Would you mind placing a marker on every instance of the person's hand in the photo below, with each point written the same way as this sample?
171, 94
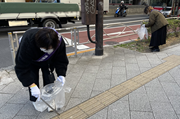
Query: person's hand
35, 91
61, 79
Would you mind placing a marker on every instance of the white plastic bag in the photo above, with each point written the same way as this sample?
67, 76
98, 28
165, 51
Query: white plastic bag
54, 91
142, 32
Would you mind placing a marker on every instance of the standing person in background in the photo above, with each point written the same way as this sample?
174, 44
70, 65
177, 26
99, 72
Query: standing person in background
40, 49
158, 25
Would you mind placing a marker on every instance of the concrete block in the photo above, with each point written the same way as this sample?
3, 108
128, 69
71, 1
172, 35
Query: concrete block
131, 60
119, 110
153, 83
132, 67
100, 115
4, 98
141, 115
165, 115
91, 69
88, 78
143, 64
117, 79
118, 63
25, 117
8, 111
104, 74
166, 77
96, 92
118, 70
28, 110
105, 66
139, 102
101, 84
143, 58
162, 107
171, 89
175, 103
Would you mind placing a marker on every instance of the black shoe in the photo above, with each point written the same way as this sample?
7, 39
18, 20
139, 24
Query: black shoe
155, 50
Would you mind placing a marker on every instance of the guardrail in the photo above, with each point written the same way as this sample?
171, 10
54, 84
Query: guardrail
14, 40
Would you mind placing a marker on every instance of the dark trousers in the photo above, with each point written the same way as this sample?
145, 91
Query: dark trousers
35, 74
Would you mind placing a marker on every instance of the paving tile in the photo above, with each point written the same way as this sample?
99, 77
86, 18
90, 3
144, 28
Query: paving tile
88, 78
140, 90
22, 96
132, 73
129, 55
141, 57
118, 57
165, 115
8, 111
104, 74
130, 60
100, 115
105, 66
119, 110
153, 83
82, 93
94, 62
139, 102
143, 69
2, 86
91, 69
175, 103
73, 102
166, 77
132, 67
118, 63
73, 60
162, 107
96, 92
117, 79
156, 94
107, 60
47, 115
175, 73
25, 117
141, 115
28, 110
4, 98
171, 88
144, 64
84, 86
118, 70
101, 84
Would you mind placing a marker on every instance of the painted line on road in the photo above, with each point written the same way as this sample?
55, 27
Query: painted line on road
79, 52
101, 101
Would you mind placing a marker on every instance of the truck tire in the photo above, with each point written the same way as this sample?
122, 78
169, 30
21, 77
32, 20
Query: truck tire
49, 23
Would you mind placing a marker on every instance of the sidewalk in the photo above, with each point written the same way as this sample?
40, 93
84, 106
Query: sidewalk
131, 85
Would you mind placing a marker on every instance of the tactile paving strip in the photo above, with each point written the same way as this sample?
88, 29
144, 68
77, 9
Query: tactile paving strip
97, 103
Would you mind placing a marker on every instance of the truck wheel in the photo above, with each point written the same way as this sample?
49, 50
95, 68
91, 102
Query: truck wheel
49, 23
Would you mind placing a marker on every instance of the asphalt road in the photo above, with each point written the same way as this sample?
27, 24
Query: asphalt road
5, 53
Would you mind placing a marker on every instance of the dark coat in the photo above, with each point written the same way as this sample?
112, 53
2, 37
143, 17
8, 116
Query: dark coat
156, 21
28, 53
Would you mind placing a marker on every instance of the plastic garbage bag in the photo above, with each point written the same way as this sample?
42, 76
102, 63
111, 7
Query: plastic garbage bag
54, 91
142, 32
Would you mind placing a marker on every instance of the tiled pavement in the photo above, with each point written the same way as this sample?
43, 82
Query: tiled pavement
89, 75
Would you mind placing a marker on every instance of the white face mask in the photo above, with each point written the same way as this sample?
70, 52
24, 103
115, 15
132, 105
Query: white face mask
49, 51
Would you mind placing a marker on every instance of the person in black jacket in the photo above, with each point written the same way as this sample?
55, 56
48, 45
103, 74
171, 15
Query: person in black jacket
40, 49
122, 7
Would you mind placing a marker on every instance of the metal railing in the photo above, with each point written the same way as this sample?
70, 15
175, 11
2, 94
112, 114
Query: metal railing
14, 40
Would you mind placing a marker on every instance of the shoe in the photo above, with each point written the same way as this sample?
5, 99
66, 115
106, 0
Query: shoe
53, 105
155, 50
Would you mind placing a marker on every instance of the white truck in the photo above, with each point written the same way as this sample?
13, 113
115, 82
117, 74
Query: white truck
43, 14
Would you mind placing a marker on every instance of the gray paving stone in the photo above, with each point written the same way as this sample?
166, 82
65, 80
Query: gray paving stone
8, 111
139, 102
140, 90
81, 93
96, 92
178, 116
2, 86
143, 69
119, 110
132, 67
171, 89
73, 60
132, 73
130, 60
94, 62
118, 63
47, 115
84, 86
28, 110
107, 60
155, 61
105, 66
175, 103
141, 115
117, 79
22, 96
162, 107
4, 98
156, 94
85, 59
151, 55
100, 115
13, 87
73, 102
166, 77
153, 83
91, 69
143, 63
165, 115
129, 55
175, 73
118, 70
118, 57
25, 117
139, 58
88, 78
101, 84
104, 74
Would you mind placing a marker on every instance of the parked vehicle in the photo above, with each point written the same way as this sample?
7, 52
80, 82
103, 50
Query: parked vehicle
118, 12
166, 11
43, 14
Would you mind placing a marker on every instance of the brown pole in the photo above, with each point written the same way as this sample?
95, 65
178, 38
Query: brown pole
99, 28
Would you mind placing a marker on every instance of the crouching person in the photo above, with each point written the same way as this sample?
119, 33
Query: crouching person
40, 49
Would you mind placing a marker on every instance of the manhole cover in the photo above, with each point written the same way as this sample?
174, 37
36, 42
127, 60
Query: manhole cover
110, 42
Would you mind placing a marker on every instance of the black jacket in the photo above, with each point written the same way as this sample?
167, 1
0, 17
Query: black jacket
28, 53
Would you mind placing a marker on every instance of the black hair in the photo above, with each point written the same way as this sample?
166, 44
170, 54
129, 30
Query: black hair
146, 9
46, 38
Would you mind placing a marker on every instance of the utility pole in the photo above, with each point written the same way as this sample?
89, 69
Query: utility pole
99, 28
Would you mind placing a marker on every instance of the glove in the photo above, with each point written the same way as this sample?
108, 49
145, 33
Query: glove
61, 79
143, 25
35, 91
